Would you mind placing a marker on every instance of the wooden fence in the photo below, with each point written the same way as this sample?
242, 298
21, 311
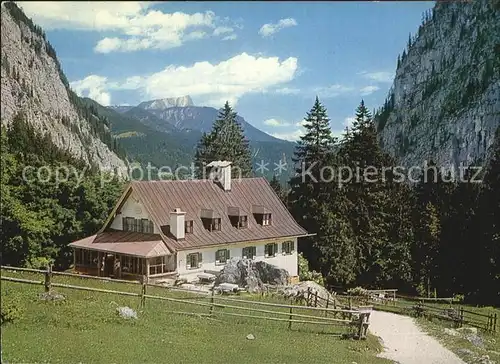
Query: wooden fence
295, 314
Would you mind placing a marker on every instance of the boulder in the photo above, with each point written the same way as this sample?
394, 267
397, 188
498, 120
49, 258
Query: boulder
51, 296
299, 292
251, 274
127, 312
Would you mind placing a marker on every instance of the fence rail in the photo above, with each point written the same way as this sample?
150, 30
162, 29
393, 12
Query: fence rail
422, 306
357, 319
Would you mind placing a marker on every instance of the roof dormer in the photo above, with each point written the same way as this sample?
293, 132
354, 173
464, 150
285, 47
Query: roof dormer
262, 215
238, 217
211, 220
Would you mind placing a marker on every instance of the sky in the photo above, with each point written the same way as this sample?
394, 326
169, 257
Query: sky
268, 59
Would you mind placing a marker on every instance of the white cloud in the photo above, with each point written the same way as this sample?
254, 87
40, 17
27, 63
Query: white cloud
276, 123
211, 84
230, 37
288, 91
269, 29
94, 87
368, 90
137, 27
222, 30
290, 136
381, 76
333, 91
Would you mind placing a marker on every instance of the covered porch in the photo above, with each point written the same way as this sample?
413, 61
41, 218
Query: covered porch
123, 255
121, 266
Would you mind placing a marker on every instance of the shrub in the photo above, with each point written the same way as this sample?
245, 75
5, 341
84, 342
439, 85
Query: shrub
10, 312
358, 291
306, 275
39, 263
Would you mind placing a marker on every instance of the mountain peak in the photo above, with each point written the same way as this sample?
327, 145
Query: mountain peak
162, 104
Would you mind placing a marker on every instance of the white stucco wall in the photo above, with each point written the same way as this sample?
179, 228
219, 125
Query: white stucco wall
288, 262
131, 208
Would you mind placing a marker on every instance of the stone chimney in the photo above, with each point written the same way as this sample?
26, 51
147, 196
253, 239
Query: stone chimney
177, 224
221, 172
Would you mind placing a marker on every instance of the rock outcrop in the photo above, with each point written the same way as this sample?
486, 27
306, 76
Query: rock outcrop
162, 104
34, 86
251, 274
444, 104
307, 290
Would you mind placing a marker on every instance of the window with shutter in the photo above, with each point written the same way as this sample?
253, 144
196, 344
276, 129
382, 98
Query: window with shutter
287, 247
193, 261
249, 252
271, 250
221, 256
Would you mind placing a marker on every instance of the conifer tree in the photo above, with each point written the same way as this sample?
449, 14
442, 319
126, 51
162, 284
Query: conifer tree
427, 248
277, 187
377, 207
226, 141
487, 272
313, 152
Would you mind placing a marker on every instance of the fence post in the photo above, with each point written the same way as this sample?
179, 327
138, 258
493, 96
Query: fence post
360, 327
212, 301
495, 323
309, 296
143, 291
291, 316
316, 299
48, 278
461, 316
350, 302
327, 303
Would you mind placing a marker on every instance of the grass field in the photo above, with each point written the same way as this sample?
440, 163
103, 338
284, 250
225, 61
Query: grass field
85, 328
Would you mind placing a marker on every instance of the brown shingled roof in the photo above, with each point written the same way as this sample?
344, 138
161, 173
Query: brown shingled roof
162, 197
124, 242
192, 196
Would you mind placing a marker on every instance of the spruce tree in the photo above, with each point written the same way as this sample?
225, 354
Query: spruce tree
427, 248
278, 188
379, 212
307, 190
226, 141
487, 272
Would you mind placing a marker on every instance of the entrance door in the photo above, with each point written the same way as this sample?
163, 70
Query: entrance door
109, 264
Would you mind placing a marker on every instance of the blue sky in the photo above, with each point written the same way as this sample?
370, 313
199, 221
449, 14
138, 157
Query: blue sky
269, 59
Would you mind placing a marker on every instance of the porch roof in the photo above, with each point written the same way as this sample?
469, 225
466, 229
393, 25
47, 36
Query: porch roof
124, 242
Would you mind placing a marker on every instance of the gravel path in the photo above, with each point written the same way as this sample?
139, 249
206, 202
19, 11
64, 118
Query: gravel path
405, 343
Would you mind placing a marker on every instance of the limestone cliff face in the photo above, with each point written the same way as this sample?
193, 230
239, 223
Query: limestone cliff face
162, 104
444, 104
33, 85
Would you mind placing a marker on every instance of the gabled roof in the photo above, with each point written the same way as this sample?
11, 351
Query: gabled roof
192, 196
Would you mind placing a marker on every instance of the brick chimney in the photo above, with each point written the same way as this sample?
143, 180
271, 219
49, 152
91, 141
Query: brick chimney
221, 172
177, 224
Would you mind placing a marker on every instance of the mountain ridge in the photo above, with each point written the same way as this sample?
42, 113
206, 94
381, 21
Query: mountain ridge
34, 85
444, 103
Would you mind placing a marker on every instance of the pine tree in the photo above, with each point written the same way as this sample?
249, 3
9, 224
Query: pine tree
226, 141
313, 152
278, 188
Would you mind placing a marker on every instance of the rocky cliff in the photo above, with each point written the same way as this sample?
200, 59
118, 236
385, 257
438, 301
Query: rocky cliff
162, 104
444, 104
34, 86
